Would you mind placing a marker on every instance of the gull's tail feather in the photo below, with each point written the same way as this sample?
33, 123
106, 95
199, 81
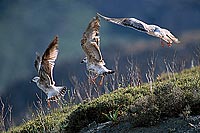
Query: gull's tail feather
169, 37
109, 72
57, 93
173, 38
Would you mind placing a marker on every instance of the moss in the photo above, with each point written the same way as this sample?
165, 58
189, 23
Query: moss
48, 123
170, 95
144, 111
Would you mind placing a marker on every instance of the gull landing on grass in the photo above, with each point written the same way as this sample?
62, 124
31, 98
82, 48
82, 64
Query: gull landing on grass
44, 66
153, 30
90, 43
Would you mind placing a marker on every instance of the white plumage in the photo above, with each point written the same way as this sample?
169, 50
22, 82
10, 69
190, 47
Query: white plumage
153, 30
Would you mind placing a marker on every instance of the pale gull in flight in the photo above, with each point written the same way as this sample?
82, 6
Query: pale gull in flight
153, 30
44, 66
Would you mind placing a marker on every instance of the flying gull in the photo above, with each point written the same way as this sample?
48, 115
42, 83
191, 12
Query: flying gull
153, 30
90, 43
44, 66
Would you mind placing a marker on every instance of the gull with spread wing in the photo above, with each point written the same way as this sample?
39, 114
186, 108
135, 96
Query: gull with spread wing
90, 43
44, 66
153, 30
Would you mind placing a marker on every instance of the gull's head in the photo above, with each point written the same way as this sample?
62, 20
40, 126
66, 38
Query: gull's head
84, 60
35, 79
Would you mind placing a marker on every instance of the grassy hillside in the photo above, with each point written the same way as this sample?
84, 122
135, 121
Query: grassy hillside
171, 95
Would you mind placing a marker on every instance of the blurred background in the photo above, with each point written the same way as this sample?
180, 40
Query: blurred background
27, 27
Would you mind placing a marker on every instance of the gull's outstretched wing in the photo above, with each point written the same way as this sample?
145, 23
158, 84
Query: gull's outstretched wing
48, 61
153, 30
90, 41
127, 22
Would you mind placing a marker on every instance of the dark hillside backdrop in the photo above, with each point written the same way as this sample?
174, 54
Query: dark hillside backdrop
27, 27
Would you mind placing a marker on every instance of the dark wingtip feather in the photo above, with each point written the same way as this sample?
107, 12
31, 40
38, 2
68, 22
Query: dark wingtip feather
104, 17
56, 40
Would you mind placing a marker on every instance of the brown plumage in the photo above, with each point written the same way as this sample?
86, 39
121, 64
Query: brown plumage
48, 60
90, 41
44, 66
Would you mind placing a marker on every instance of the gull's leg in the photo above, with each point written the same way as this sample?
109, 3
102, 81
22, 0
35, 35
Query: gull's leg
90, 77
94, 78
49, 104
162, 43
101, 81
169, 44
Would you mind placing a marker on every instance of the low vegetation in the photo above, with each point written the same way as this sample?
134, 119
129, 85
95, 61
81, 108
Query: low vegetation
170, 95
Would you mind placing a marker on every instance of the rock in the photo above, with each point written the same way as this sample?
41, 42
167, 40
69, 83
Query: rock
176, 125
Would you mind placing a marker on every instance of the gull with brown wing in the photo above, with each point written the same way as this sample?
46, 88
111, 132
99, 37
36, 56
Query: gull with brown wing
153, 30
90, 43
44, 66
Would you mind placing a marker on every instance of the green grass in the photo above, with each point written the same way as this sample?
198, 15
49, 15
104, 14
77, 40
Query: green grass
137, 105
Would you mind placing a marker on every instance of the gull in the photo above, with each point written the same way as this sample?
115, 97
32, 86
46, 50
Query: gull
90, 43
153, 30
44, 66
